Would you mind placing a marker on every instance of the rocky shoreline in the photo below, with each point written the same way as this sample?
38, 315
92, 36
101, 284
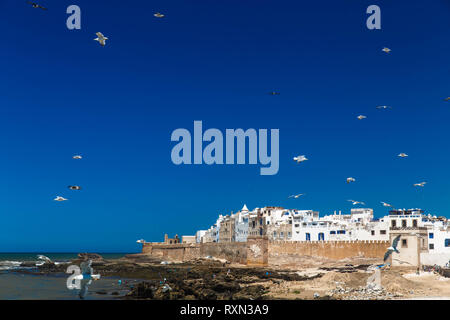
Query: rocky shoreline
142, 276
200, 279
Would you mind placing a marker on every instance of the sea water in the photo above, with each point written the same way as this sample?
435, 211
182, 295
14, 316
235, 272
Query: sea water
17, 285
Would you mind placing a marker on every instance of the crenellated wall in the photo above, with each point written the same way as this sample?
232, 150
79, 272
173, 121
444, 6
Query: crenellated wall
259, 251
234, 252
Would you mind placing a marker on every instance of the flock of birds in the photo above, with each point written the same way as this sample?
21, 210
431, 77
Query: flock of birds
100, 37
302, 158
59, 198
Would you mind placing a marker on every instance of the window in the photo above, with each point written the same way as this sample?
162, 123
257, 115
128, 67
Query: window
403, 223
382, 231
289, 234
404, 243
332, 232
296, 225
372, 232
281, 234
393, 223
415, 223
260, 221
431, 246
308, 237
274, 234
447, 242
341, 232
431, 235
321, 236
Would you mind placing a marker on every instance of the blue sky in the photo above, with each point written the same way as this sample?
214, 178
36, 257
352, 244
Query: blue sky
61, 94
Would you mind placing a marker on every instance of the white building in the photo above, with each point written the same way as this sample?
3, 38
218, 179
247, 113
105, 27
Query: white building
432, 233
200, 236
241, 224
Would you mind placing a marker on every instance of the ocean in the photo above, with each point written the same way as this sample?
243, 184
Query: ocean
15, 285
11, 260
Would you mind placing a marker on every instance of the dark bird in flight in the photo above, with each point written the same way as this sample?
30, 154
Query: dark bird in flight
36, 5
74, 187
392, 248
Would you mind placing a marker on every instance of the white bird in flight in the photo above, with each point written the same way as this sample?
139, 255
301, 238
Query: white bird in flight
360, 117
159, 15
140, 241
387, 50
300, 159
421, 184
354, 202
44, 258
383, 107
101, 38
350, 179
58, 198
392, 248
77, 157
385, 204
402, 155
296, 195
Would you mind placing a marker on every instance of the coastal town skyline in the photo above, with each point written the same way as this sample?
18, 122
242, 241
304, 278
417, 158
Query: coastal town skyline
309, 70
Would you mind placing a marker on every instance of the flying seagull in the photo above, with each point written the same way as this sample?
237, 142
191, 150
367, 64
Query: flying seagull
386, 204
383, 107
77, 157
354, 202
58, 198
360, 117
300, 159
44, 258
402, 155
74, 187
86, 277
36, 5
296, 195
392, 248
140, 241
350, 179
387, 50
158, 15
421, 184
274, 93
101, 38
166, 288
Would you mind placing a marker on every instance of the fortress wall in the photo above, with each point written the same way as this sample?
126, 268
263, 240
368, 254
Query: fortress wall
334, 250
259, 251
172, 252
232, 251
